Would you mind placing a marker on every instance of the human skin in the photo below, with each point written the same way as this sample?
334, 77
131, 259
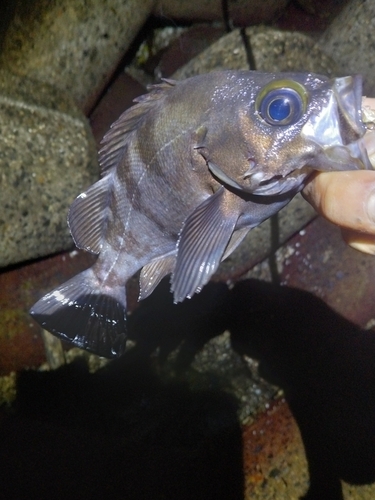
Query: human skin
348, 199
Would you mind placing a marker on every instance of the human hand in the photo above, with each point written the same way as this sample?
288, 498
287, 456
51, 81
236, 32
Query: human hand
348, 199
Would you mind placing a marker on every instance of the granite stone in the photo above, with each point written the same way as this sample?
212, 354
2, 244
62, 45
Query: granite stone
73, 45
350, 39
239, 12
47, 157
272, 50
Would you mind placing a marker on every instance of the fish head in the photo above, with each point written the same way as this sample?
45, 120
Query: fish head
282, 127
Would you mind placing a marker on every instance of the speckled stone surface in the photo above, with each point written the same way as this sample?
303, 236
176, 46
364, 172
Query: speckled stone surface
258, 243
351, 41
47, 157
273, 50
74, 45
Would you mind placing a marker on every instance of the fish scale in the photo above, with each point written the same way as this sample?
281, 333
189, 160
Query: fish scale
186, 173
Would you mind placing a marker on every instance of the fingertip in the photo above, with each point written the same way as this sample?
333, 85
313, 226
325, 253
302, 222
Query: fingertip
345, 198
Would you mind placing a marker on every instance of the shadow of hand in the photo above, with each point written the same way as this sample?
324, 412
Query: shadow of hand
326, 366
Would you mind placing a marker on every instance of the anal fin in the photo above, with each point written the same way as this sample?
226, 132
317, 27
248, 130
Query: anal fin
153, 273
236, 239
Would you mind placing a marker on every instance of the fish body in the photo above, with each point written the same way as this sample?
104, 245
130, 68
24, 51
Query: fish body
186, 173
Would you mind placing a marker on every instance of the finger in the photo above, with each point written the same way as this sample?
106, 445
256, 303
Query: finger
345, 198
360, 241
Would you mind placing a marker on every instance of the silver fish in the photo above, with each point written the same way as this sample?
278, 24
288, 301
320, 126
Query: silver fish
186, 173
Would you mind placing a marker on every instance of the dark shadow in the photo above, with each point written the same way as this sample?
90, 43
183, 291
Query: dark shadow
158, 323
118, 434
124, 433
326, 366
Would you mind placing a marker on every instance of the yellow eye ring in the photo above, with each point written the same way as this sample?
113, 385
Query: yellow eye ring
282, 102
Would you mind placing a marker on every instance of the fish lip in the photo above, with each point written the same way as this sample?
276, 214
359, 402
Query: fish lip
337, 130
348, 93
353, 156
259, 184
266, 187
277, 185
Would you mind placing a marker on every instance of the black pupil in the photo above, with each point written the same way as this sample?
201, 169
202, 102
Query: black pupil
279, 109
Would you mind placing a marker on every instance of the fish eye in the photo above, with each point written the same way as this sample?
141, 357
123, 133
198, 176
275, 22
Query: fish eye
282, 102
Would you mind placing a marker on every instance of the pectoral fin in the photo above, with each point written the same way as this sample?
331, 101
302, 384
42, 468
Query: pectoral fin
202, 242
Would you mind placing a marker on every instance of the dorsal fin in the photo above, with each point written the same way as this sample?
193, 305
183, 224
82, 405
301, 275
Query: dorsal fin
116, 139
88, 216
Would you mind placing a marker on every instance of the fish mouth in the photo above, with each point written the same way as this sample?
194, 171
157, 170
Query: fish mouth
348, 93
259, 183
353, 156
336, 131
279, 184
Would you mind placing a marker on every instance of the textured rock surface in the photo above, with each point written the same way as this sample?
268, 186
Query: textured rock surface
351, 41
240, 12
72, 44
47, 157
272, 50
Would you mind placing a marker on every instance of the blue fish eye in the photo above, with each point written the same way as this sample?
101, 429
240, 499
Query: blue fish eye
279, 109
281, 106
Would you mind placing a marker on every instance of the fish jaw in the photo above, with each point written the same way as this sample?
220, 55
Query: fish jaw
338, 130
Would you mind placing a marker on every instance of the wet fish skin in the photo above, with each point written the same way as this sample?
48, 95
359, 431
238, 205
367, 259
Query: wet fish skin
186, 173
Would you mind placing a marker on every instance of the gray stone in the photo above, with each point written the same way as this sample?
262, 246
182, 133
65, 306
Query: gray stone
73, 45
351, 41
258, 243
273, 50
240, 12
47, 157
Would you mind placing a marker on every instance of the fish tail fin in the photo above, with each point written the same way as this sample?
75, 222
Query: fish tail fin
82, 313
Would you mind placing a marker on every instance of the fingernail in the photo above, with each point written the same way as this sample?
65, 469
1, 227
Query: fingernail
369, 143
359, 241
371, 207
368, 248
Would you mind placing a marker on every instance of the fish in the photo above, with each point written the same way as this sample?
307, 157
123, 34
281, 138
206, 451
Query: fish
186, 173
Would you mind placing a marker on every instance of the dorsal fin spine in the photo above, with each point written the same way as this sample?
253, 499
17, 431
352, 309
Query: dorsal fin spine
118, 137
